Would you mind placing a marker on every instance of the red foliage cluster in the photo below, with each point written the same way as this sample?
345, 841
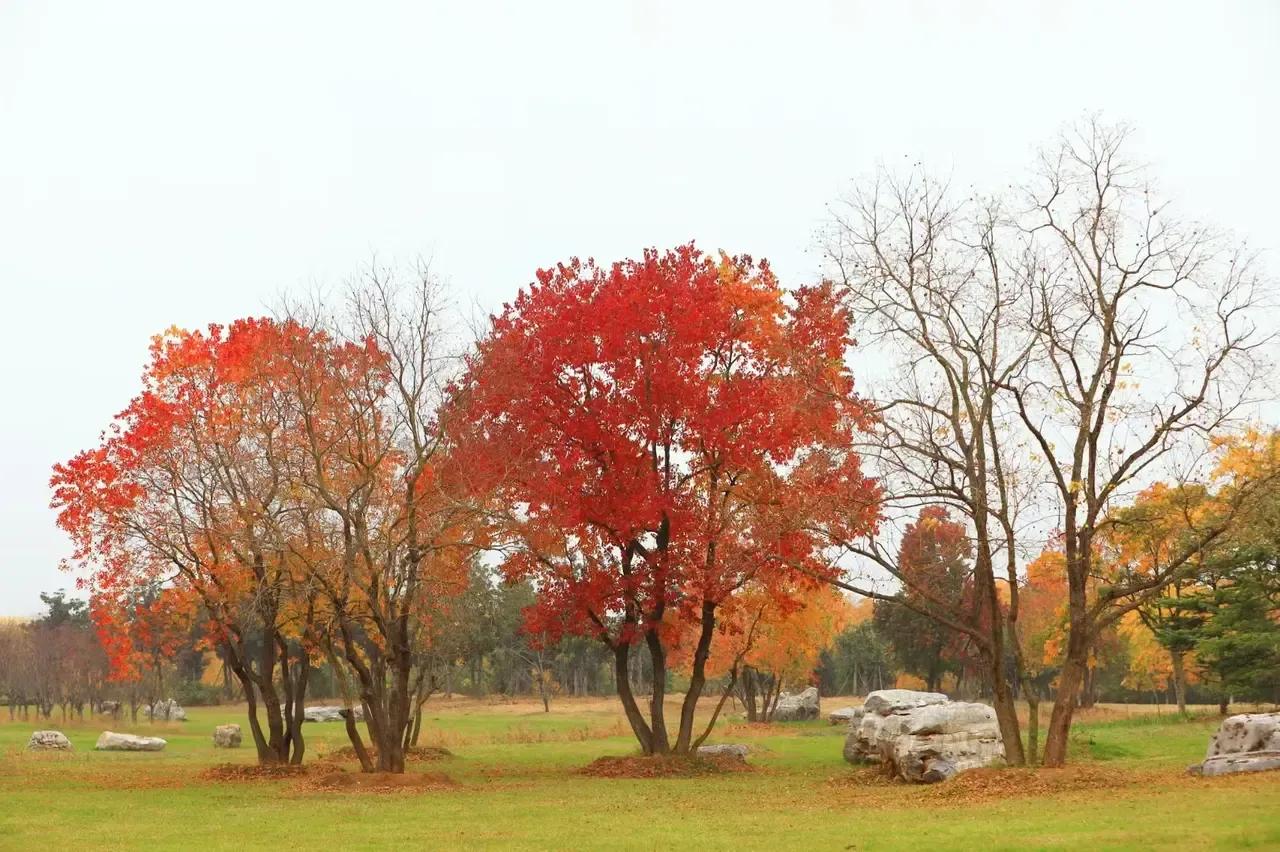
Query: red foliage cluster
659, 435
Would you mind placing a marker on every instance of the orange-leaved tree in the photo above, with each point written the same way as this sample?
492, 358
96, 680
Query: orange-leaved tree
188, 488
766, 641
294, 482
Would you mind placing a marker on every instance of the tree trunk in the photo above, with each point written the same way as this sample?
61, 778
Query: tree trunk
749, 694
1033, 727
1059, 732
353, 734
1179, 681
417, 726
658, 695
1088, 693
265, 754
697, 680
622, 670
1006, 710
1076, 663
715, 714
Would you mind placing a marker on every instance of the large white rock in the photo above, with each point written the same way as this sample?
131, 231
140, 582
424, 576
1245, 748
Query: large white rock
921, 739
1249, 742
167, 710
937, 757
954, 717
48, 741
226, 736
111, 741
797, 707
862, 745
1246, 732
1249, 761
886, 701
845, 715
724, 749
329, 713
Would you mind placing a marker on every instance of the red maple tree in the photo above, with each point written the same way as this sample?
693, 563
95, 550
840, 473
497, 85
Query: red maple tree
655, 436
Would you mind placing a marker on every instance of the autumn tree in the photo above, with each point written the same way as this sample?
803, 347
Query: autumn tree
1223, 588
769, 642
53, 660
934, 554
660, 433
859, 660
142, 630
387, 531
189, 489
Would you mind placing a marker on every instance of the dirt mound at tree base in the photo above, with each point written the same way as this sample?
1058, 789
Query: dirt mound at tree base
252, 772
413, 753
374, 782
664, 766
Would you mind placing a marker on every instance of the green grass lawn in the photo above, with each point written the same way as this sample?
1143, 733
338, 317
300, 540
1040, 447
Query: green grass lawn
518, 786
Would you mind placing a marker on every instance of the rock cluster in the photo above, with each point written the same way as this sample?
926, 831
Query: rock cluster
1249, 742
111, 741
798, 707
226, 736
48, 741
724, 749
167, 710
924, 737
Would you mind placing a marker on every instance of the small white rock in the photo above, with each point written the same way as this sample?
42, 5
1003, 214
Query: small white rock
48, 741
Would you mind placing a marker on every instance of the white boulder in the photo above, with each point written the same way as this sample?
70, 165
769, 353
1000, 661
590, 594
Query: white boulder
886, 701
845, 715
329, 713
1228, 764
937, 757
167, 710
922, 739
112, 741
226, 736
1246, 732
736, 750
797, 707
48, 741
1249, 742
954, 717
862, 745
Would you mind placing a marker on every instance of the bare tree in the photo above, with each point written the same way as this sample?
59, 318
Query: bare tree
1052, 352
929, 284
1145, 341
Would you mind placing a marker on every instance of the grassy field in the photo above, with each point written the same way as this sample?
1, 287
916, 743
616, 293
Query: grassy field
515, 782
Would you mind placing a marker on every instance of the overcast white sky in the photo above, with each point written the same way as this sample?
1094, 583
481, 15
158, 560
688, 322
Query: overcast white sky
179, 163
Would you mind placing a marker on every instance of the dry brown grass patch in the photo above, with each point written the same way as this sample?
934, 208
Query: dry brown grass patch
664, 766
